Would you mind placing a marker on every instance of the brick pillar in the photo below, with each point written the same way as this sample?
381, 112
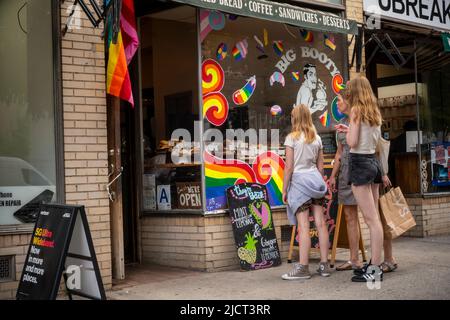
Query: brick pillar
85, 143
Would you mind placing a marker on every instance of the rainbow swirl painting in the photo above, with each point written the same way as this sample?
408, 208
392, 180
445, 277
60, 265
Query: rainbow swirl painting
337, 115
269, 169
329, 42
221, 174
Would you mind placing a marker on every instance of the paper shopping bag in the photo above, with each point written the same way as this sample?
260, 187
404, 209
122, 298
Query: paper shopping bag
395, 214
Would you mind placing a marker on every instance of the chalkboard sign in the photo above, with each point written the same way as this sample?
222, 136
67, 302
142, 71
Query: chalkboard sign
60, 244
329, 142
253, 228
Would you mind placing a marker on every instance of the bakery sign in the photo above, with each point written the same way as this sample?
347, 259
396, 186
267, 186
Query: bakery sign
430, 13
189, 195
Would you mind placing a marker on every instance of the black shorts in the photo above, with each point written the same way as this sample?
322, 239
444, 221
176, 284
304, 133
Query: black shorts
364, 169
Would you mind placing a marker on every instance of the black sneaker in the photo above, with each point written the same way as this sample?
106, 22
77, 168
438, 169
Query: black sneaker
362, 270
371, 276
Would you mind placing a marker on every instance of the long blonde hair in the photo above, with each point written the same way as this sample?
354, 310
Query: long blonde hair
361, 98
302, 124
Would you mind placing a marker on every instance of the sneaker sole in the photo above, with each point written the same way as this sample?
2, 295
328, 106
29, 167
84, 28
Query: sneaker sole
295, 278
325, 274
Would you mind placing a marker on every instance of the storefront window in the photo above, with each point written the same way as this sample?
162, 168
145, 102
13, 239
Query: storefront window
435, 130
170, 102
254, 72
27, 121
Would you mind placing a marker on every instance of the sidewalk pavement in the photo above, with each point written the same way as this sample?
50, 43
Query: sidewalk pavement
423, 273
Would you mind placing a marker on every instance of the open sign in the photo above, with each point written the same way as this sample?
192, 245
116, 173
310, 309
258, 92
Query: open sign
189, 195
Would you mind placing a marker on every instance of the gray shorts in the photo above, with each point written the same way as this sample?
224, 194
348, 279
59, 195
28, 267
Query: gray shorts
364, 169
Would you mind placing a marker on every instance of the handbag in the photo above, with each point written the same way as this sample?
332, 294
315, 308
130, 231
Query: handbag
395, 214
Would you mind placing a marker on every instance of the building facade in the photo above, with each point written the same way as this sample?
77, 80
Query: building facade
63, 134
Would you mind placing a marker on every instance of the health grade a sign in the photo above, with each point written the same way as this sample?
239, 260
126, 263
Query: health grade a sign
431, 13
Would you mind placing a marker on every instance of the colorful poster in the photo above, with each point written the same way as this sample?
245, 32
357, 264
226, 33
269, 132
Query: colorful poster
253, 229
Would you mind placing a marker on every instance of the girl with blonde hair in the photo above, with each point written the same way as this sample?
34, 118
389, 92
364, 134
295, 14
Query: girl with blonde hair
303, 188
365, 173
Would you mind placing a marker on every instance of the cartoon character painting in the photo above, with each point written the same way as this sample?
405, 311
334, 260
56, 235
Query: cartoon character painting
305, 94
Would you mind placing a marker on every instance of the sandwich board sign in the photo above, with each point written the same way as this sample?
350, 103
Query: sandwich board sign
61, 245
253, 229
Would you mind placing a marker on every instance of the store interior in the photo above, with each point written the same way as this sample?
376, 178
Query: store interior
394, 81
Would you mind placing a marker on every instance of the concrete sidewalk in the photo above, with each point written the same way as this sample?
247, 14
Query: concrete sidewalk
423, 273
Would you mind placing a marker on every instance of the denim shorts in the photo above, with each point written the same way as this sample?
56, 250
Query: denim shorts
364, 169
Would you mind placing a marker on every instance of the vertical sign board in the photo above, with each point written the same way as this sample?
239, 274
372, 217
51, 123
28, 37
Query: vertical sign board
254, 232
60, 243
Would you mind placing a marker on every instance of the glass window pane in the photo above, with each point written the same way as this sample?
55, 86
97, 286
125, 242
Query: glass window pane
27, 144
268, 68
435, 129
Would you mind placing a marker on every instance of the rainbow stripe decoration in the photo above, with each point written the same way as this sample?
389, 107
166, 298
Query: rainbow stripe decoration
335, 113
239, 51
222, 51
329, 41
325, 119
337, 83
220, 174
277, 77
242, 95
215, 105
295, 76
307, 35
278, 48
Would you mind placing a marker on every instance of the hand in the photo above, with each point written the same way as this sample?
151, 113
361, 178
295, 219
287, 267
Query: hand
332, 182
341, 128
386, 181
284, 197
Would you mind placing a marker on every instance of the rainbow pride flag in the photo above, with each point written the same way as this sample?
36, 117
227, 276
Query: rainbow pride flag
120, 54
307, 35
325, 119
329, 42
278, 48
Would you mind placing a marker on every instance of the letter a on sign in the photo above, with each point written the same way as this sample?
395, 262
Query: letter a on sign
163, 196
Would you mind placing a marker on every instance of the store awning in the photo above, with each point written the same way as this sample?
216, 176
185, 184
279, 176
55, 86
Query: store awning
280, 12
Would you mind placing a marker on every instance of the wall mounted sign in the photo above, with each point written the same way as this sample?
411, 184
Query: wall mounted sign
430, 13
280, 12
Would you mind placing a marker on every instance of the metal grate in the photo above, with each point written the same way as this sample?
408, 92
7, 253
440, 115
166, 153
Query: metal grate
6, 268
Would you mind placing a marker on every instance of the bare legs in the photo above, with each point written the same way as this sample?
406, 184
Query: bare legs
351, 217
305, 239
365, 196
324, 240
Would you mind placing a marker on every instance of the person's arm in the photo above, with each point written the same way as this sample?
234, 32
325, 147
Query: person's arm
353, 130
336, 166
288, 169
320, 162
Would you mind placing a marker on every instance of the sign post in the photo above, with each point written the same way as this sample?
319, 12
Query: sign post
60, 244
